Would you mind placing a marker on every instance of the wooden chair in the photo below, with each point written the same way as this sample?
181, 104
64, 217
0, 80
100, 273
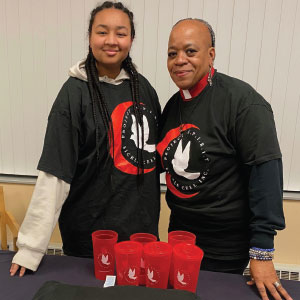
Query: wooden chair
6, 218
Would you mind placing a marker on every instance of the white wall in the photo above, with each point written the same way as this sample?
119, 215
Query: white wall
256, 40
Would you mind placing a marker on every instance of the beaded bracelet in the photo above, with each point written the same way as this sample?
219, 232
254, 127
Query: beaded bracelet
261, 254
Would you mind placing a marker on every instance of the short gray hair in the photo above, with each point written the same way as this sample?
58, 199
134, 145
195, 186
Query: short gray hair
208, 26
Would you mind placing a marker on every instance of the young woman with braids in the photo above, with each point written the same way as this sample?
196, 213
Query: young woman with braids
98, 166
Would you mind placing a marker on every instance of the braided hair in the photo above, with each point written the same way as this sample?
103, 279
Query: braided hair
98, 100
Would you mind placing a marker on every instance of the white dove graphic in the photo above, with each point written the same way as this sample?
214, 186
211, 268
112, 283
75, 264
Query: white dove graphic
181, 161
150, 275
180, 278
104, 260
131, 274
147, 147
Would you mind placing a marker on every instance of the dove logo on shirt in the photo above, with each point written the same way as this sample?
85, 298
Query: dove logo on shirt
128, 140
184, 158
181, 161
137, 135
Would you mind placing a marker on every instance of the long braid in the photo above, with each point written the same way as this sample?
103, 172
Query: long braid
134, 84
98, 103
94, 105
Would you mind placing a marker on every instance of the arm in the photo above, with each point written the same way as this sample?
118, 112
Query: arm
59, 158
41, 217
265, 202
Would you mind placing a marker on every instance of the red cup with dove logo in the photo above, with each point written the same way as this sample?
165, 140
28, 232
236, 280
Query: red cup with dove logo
103, 250
186, 262
176, 237
143, 238
157, 264
128, 260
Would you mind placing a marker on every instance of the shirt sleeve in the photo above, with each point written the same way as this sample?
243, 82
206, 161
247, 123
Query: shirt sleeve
41, 217
61, 144
266, 203
255, 132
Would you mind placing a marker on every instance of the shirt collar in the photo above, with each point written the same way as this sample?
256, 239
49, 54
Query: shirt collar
197, 89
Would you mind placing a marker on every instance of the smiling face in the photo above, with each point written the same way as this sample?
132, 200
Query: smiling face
110, 40
189, 53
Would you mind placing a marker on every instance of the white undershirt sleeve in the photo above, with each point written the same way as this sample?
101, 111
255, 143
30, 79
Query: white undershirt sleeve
41, 217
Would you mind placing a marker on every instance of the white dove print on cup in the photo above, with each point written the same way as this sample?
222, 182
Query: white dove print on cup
157, 264
135, 135
105, 259
128, 259
103, 249
131, 274
180, 278
150, 276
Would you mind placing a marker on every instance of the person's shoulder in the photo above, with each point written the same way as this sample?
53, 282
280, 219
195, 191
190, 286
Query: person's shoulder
70, 95
144, 82
240, 91
174, 97
147, 87
143, 79
233, 84
171, 102
73, 84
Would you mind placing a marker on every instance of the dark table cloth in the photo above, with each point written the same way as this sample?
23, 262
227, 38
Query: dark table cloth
79, 271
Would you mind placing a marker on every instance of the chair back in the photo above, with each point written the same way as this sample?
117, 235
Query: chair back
6, 218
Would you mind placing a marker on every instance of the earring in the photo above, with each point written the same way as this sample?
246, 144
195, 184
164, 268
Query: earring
209, 79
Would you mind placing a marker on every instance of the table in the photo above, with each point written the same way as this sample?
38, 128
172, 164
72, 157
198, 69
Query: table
79, 271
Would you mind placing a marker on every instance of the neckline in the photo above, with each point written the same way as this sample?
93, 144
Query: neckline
188, 95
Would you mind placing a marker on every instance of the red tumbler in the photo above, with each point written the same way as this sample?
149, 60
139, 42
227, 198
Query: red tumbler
143, 238
176, 237
186, 261
103, 249
157, 264
128, 259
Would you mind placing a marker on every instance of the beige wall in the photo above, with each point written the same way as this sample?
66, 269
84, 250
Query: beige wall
287, 242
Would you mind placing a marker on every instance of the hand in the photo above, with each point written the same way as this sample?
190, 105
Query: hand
263, 274
14, 268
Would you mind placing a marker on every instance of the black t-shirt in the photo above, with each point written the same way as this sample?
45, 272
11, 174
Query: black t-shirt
103, 195
205, 144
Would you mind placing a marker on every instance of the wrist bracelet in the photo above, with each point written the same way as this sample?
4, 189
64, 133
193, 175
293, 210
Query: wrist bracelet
261, 254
